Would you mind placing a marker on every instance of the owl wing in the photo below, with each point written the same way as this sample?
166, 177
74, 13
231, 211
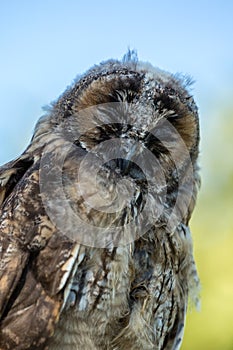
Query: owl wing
35, 260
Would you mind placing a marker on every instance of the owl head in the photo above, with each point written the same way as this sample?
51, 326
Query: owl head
119, 153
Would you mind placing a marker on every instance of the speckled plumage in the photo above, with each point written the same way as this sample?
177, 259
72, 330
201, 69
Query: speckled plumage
58, 292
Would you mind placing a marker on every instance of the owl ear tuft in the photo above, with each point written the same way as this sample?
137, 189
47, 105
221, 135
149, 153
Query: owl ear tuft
130, 56
11, 173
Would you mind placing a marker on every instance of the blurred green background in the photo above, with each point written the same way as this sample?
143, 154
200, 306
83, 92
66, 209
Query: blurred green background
212, 227
45, 44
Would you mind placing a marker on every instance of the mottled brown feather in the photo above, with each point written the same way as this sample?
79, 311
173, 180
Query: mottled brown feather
56, 292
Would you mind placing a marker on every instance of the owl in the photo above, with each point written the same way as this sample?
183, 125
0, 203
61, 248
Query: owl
96, 251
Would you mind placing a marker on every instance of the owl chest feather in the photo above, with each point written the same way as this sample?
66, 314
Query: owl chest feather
130, 295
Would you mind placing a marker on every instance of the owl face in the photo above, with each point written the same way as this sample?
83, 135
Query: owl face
136, 132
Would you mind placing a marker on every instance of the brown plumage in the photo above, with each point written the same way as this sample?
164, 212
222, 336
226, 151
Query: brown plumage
96, 251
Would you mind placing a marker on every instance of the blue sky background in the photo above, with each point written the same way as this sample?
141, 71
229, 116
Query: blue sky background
45, 44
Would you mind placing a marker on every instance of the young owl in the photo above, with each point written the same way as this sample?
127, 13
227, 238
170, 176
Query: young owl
96, 251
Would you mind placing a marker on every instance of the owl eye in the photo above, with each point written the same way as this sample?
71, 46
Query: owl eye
155, 145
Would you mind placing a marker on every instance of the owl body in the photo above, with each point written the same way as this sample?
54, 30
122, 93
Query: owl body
146, 316
96, 251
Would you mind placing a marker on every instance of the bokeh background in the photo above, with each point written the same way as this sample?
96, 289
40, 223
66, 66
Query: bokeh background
45, 44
